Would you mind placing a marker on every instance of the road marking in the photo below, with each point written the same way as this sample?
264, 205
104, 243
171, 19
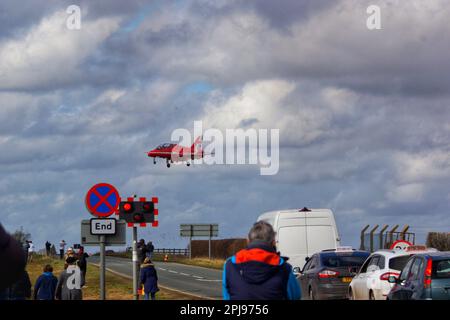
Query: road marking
161, 286
162, 269
184, 274
198, 277
171, 271
208, 280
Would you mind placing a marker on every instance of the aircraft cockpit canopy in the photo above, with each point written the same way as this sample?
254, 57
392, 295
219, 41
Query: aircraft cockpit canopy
164, 146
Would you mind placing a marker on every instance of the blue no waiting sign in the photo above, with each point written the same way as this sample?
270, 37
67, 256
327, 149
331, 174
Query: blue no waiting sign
102, 200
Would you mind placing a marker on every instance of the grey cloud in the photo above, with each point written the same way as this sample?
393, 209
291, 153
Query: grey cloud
361, 104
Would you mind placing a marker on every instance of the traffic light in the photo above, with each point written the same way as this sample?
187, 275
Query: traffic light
141, 211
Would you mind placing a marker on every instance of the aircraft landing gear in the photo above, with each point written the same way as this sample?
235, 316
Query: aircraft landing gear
188, 164
154, 160
168, 164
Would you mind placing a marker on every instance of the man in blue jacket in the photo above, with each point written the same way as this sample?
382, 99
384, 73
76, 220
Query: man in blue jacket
45, 286
258, 272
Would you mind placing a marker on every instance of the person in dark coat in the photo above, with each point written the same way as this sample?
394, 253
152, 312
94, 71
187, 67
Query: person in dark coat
141, 251
68, 288
4, 294
149, 279
21, 289
150, 249
48, 245
12, 260
26, 249
82, 262
45, 286
258, 272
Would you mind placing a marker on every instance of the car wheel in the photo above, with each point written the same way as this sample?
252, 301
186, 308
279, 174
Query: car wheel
312, 296
371, 295
350, 295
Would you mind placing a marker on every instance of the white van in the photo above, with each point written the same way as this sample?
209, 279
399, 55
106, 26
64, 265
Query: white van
302, 232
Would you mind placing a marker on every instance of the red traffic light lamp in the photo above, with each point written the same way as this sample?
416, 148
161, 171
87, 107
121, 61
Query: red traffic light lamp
139, 212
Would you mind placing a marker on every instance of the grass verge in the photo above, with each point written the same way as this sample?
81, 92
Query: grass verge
117, 287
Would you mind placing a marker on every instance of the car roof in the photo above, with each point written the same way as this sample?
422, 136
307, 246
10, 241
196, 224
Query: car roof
438, 254
388, 252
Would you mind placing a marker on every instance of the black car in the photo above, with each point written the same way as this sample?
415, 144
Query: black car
327, 274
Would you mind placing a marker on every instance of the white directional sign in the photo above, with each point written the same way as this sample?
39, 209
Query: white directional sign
103, 226
199, 230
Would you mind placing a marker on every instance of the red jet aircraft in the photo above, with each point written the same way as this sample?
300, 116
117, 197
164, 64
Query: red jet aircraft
175, 153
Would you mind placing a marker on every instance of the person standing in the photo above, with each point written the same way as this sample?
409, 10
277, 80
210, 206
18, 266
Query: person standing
150, 249
12, 260
62, 248
149, 279
26, 249
66, 290
21, 289
141, 251
70, 253
258, 272
4, 294
45, 286
82, 262
30, 251
48, 246
53, 251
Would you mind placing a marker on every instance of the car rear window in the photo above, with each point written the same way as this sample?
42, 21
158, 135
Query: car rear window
336, 261
398, 263
441, 269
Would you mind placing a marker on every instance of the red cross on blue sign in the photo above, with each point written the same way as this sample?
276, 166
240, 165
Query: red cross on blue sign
102, 200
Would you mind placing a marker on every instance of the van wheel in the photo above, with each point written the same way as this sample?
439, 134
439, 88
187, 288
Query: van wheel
371, 295
312, 296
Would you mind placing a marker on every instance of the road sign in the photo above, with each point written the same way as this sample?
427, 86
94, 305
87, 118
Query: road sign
400, 245
103, 226
102, 200
199, 230
118, 239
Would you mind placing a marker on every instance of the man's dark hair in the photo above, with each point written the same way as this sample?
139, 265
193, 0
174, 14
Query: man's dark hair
261, 231
48, 268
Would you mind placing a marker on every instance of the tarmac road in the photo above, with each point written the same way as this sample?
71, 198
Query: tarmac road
197, 281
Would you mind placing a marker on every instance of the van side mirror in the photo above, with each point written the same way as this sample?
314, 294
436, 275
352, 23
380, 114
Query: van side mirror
392, 279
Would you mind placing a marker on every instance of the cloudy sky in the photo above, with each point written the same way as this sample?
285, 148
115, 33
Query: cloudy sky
364, 115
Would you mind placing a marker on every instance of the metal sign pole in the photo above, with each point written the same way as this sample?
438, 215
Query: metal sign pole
209, 244
135, 265
102, 268
190, 247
